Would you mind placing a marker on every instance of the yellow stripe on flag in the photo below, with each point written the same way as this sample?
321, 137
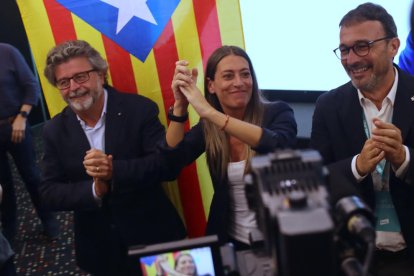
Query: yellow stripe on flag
39, 33
230, 21
186, 36
148, 83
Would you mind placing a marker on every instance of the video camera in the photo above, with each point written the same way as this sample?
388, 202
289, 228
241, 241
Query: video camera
287, 191
312, 222
300, 233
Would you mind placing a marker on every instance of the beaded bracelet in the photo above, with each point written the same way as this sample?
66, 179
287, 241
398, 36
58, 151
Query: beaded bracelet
225, 122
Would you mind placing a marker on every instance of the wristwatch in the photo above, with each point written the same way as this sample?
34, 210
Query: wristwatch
178, 119
23, 113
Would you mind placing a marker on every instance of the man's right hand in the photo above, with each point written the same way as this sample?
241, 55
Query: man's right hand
369, 157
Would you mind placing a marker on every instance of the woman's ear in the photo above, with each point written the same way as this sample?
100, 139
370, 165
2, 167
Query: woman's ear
210, 86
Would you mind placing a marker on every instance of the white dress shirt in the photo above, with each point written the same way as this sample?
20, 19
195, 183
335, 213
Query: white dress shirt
391, 241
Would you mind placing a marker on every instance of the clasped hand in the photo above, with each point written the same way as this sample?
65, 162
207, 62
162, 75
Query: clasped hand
386, 142
99, 166
185, 89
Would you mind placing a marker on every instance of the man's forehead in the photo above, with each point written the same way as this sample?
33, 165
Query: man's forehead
73, 65
366, 30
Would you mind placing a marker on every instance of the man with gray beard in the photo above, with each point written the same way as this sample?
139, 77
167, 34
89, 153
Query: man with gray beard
101, 162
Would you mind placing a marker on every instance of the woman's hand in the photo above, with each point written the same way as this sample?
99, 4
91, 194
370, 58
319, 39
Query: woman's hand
184, 86
182, 78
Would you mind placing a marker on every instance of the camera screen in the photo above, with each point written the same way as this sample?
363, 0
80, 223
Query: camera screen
197, 256
197, 261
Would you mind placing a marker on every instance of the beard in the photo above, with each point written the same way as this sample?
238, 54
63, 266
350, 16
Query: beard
84, 104
378, 70
366, 86
81, 106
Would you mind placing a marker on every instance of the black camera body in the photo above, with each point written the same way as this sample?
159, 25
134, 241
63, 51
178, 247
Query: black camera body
288, 193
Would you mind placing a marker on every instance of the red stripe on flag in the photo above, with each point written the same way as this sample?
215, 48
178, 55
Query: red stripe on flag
207, 26
191, 201
165, 52
60, 20
119, 60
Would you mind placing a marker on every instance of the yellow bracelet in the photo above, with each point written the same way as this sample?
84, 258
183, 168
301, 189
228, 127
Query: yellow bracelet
225, 122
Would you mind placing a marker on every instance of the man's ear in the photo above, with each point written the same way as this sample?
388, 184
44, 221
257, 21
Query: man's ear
395, 45
102, 76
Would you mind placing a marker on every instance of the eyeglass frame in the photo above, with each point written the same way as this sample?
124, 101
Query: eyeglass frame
368, 43
74, 79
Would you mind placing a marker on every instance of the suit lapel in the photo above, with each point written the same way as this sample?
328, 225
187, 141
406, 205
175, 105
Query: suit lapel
76, 135
114, 121
350, 114
403, 114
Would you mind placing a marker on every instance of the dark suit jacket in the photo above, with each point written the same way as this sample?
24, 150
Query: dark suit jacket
137, 210
338, 134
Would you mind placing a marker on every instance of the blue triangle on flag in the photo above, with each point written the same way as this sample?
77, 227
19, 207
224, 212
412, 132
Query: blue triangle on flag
136, 31
149, 260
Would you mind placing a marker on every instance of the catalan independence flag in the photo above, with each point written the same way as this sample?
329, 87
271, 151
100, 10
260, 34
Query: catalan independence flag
141, 40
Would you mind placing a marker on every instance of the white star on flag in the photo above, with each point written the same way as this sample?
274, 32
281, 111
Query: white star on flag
127, 9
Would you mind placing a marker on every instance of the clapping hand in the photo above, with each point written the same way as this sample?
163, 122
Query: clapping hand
99, 165
184, 85
387, 138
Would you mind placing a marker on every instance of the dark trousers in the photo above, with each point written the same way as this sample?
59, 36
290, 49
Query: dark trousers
108, 257
25, 160
8, 268
387, 263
